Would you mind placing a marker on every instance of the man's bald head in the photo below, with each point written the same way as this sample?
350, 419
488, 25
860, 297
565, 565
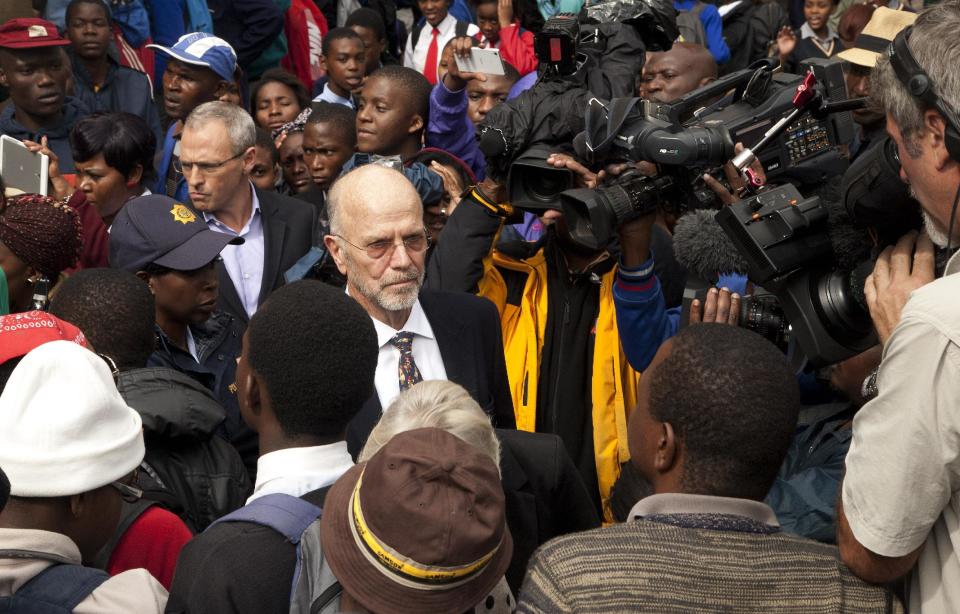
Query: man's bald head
366, 190
378, 241
668, 75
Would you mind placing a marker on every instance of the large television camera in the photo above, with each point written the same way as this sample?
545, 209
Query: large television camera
809, 150
598, 53
784, 239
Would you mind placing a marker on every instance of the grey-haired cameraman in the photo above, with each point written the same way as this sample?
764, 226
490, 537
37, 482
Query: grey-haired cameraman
899, 511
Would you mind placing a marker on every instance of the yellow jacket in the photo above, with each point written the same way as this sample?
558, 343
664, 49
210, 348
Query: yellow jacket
614, 388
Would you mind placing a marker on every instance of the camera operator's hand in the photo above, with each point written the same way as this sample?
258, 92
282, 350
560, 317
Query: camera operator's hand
734, 179
721, 306
451, 185
899, 271
494, 191
583, 176
455, 80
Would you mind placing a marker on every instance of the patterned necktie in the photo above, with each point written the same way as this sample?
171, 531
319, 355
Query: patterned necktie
407, 370
430, 66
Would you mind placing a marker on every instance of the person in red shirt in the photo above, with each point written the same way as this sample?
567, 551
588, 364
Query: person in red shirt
501, 30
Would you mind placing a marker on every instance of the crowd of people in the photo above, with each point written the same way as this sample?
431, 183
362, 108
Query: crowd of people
273, 337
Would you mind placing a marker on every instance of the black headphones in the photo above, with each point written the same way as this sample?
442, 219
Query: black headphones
920, 86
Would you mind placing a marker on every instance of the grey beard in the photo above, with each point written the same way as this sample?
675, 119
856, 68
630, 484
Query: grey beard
378, 295
939, 236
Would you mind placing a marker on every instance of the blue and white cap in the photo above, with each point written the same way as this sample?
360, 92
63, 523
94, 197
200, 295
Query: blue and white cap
202, 49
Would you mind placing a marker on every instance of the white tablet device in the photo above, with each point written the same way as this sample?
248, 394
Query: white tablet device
21, 168
481, 60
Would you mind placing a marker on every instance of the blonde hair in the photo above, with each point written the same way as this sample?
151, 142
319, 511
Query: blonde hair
438, 404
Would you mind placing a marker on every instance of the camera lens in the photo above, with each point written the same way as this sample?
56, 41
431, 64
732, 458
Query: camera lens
545, 187
841, 305
764, 316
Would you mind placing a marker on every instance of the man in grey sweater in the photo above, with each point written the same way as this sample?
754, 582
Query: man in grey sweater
715, 414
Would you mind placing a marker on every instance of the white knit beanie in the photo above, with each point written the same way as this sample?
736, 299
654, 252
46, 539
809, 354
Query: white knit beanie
64, 429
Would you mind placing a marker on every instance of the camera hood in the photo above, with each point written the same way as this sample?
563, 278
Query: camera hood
534, 185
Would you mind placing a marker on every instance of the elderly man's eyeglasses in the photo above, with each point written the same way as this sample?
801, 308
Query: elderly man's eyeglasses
130, 494
378, 249
205, 168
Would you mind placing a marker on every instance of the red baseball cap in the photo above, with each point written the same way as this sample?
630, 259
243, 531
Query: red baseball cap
22, 332
30, 32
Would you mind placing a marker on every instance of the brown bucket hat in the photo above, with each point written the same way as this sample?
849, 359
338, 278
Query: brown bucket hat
420, 527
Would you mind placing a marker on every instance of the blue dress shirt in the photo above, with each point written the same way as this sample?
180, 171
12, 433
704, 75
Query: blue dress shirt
244, 263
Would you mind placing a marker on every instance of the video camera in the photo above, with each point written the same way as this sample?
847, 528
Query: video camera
784, 239
599, 53
808, 151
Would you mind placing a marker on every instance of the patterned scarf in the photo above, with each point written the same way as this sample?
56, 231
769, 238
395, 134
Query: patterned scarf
280, 134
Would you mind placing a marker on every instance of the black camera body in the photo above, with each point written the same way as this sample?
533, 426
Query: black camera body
777, 231
695, 135
556, 44
784, 240
600, 54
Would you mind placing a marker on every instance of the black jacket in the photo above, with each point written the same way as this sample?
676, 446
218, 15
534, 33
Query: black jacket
288, 226
236, 567
250, 26
468, 333
545, 496
202, 471
124, 90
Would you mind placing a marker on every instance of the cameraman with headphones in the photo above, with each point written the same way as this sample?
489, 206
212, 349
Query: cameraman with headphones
899, 510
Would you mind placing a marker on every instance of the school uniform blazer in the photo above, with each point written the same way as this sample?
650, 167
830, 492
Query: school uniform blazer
287, 235
467, 329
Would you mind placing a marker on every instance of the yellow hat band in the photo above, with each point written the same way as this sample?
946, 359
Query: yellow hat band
403, 566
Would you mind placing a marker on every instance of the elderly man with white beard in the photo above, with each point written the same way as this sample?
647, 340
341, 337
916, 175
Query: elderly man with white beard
378, 242
899, 513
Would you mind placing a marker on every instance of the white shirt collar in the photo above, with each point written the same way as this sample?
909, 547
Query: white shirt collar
328, 95
681, 503
953, 265
211, 218
192, 345
416, 323
449, 23
807, 32
297, 471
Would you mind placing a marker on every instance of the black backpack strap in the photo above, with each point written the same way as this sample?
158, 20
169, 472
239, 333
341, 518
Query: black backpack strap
62, 586
128, 515
415, 34
326, 597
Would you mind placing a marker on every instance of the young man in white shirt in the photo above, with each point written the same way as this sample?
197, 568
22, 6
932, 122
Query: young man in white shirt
426, 41
344, 59
307, 366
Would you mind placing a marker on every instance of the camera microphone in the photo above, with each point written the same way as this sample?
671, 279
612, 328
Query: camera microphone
704, 248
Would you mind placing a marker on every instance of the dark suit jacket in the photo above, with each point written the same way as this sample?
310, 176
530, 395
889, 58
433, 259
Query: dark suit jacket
287, 236
467, 329
545, 495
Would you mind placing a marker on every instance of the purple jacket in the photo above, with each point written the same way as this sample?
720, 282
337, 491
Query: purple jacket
450, 129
